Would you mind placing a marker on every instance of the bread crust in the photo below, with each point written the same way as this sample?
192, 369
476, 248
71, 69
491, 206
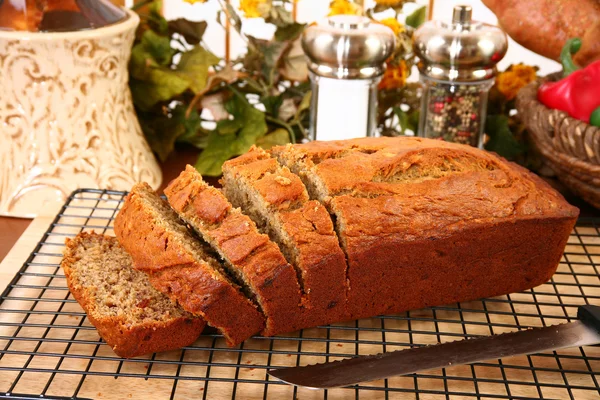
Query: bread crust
309, 227
174, 271
125, 339
398, 272
425, 222
236, 237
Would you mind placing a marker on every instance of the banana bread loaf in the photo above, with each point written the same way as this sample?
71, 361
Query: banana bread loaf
129, 314
180, 266
278, 202
246, 253
425, 222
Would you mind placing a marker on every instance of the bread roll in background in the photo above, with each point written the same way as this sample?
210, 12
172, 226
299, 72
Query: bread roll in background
543, 26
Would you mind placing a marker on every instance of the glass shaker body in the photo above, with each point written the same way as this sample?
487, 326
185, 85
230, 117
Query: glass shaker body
357, 98
346, 56
457, 66
454, 111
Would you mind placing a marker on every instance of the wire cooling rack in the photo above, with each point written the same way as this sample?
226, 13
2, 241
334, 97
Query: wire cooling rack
49, 349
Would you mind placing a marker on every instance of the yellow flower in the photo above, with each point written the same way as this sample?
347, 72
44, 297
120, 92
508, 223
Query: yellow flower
337, 7
513, 79
524, 72
394, 76
255, 8
389, 3
393, 24
194, 1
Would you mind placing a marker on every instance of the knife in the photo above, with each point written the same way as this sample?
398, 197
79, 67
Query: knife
351, 371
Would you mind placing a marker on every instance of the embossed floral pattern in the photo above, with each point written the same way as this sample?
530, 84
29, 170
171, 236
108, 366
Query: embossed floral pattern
66, 117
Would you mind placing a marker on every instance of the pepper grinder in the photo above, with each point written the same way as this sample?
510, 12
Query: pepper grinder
457, 68
346, 56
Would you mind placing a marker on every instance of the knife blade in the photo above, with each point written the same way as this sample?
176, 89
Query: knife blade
351, 371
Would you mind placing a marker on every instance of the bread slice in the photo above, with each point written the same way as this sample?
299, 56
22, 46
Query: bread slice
247, 254
129, 314
278, 203
180, 266
425, 222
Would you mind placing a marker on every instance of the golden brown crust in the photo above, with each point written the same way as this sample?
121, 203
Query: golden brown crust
182, 276
319, 253
307, 223
401, 166
235, 236
395, 275
426, 222
125, 339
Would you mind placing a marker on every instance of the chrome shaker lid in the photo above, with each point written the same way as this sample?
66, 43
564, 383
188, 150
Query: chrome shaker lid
347, 47
463, 50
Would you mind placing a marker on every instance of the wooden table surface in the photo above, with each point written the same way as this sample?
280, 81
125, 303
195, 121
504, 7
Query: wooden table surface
12, 228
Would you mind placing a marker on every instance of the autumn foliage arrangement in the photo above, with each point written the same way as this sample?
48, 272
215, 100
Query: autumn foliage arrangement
183, 93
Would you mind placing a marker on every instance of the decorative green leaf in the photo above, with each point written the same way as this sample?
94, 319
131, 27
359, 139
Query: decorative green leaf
289, 32
501, 140
272, 53
194, 66
278, 137
254, 124
163, 130
293, 65
161, 133
402, 118
397, 6
595, 117
408, 120
417, 17
264, 56
199, 141
279, 16
140, 63
159, 47
191, 126
152, 51
155, 7
413, 120
272, 104
191, 31
155, 19
161, 84
305, 103
229, 126
221, 147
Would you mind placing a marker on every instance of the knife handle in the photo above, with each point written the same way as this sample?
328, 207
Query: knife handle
589, 315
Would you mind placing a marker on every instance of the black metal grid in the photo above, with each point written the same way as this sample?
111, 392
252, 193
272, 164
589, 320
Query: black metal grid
48, 348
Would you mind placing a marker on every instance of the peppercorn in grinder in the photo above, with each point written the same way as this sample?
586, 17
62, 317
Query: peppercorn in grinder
457, 68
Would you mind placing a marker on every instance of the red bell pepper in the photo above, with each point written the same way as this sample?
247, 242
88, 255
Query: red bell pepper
579, 93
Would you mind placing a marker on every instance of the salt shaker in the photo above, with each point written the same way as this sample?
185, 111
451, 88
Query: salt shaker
346, 56
457, 68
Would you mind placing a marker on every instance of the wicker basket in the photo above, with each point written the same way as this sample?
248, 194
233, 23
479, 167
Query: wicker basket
570, 147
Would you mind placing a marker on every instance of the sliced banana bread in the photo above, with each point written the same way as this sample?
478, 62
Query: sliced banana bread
426, 222
180, 266
130, 315
278, 203
247, 254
